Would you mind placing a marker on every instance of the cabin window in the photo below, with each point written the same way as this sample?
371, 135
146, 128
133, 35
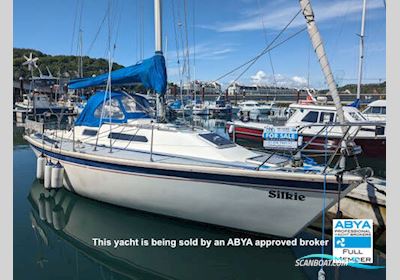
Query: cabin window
383, 110
376, 110
326, 117
311, 117
89, 132
127, 137
216, 139
135, 104
129, 104
368, 111
112, 110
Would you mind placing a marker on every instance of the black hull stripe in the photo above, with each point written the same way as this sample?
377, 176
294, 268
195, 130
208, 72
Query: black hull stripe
218, 178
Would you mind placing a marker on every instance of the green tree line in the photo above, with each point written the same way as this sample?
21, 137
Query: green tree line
65, 66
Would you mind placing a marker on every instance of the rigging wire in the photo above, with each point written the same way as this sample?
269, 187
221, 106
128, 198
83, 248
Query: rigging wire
178, 43
308, 65
194, 46
182, 44
137, 31
117, 28
268, 48
252, 61
97, 33
74, 26
79, 45
187, 41
266, 41
321, 272
141, 26
176, 37
108, 85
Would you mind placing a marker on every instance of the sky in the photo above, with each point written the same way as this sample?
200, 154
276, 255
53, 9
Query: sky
217, 36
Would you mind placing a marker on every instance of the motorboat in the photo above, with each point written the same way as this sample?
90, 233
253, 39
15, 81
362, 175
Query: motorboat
39, 103
177, 108
118, 152
200, 109
254, 109
220, 107
376, 111
309, 117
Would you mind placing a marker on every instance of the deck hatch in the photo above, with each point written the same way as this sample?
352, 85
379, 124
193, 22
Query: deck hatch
217, 140
89, 132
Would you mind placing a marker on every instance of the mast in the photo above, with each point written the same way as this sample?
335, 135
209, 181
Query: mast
319, 49
361, 58
157, 26
160, 100
80, 66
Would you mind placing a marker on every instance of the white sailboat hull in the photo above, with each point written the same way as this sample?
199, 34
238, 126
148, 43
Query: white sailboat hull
229, 205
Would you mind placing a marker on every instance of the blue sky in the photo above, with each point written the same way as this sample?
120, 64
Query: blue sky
222, 34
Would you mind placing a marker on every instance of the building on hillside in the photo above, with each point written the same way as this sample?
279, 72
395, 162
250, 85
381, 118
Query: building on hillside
239, 89
209, 88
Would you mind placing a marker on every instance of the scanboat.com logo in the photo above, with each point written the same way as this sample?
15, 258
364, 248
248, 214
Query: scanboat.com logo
332, 261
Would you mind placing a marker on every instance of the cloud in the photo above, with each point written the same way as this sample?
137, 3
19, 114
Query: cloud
276, 16
203, 51
259, 78
280, 80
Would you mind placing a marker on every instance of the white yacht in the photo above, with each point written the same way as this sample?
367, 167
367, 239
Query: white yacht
253, 109
200, 109
376, 111
117, 153
220, 107
184, 172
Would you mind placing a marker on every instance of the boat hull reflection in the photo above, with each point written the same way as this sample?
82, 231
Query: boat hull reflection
77, 220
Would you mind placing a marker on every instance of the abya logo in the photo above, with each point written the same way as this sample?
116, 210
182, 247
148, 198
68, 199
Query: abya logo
352, 240
353, 224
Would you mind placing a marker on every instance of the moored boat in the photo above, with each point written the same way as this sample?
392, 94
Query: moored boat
376, 111
371, 137
184, 172
118, 152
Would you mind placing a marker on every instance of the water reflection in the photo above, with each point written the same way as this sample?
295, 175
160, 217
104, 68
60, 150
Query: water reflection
62, 219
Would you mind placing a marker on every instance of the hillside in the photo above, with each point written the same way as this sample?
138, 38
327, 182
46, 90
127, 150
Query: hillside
60, 65
377, 88
366, 88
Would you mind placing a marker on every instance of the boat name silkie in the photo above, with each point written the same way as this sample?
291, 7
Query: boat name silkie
286, 195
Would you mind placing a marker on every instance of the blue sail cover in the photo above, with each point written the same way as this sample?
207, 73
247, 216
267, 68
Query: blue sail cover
150, 72
355, 103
